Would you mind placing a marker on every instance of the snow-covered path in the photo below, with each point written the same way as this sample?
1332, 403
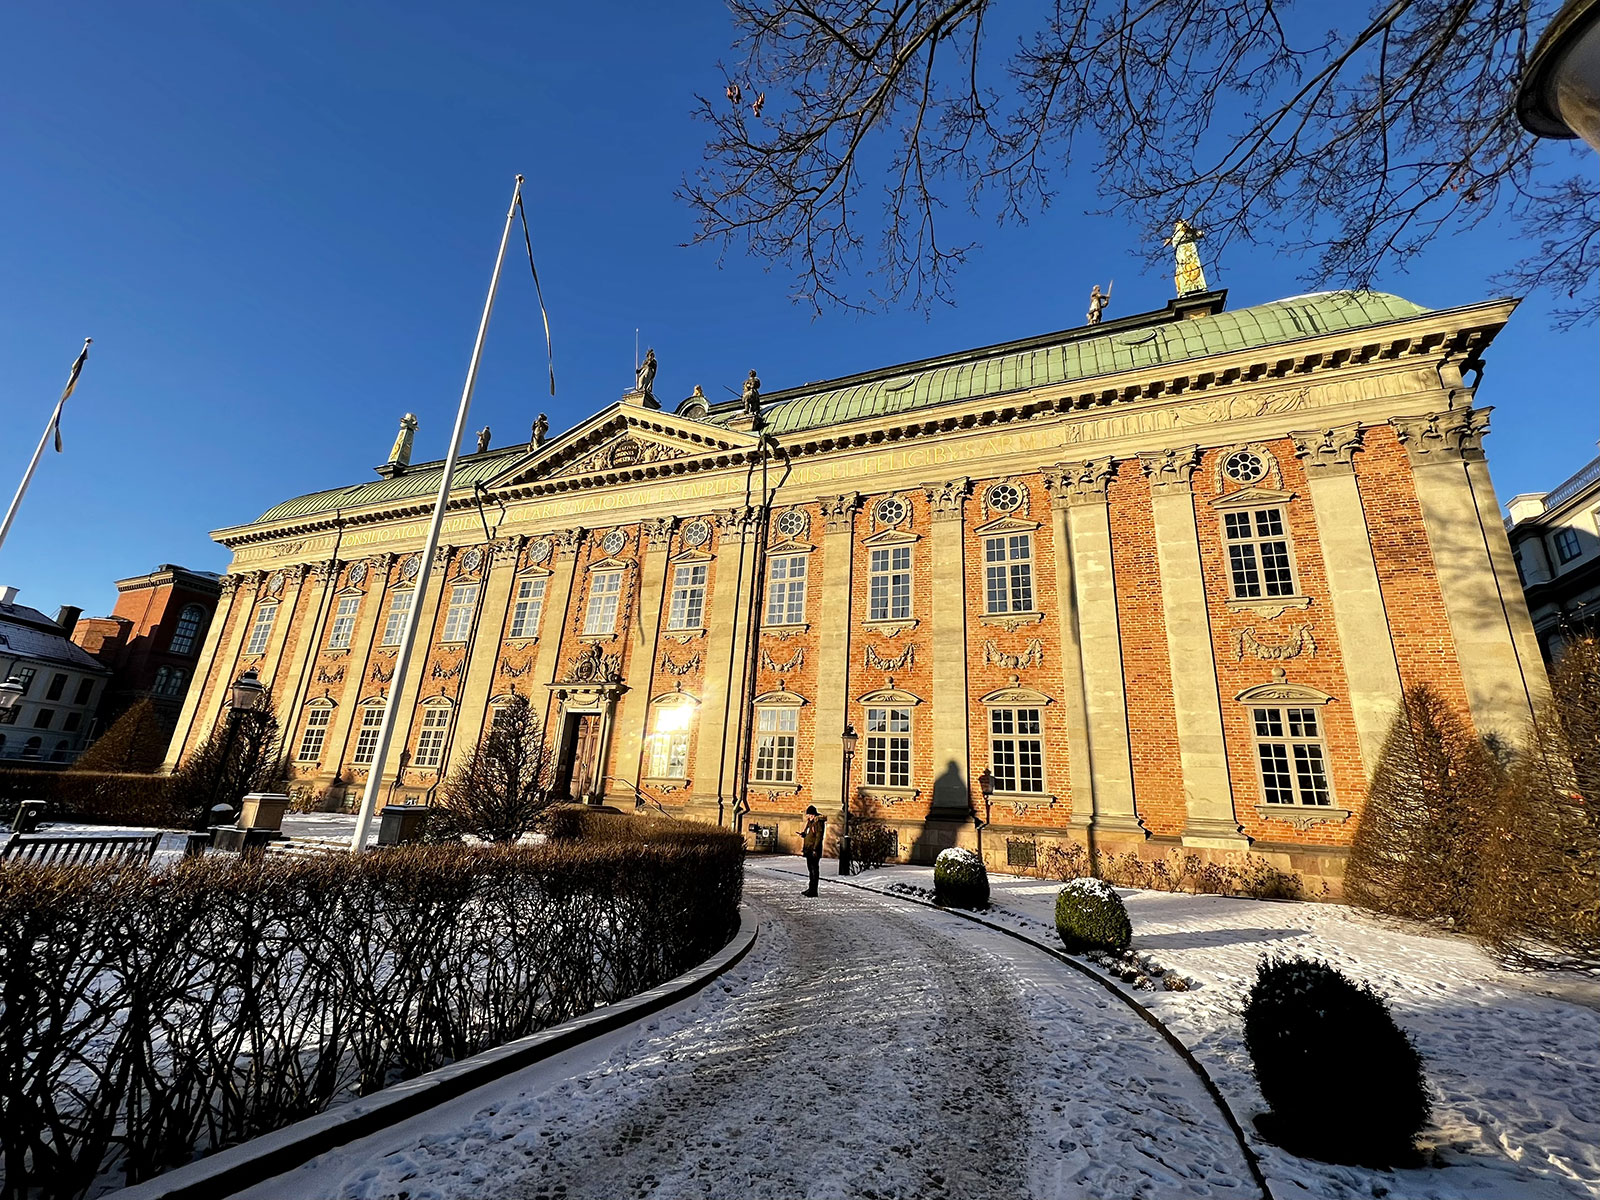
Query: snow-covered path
867, 1047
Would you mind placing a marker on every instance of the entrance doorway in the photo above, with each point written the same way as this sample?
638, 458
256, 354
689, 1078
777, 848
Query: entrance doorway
576, 768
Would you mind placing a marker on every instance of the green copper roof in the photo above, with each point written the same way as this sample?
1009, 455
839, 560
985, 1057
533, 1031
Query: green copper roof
1080, 357
420, 480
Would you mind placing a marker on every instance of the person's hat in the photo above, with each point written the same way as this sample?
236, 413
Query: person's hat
811, 810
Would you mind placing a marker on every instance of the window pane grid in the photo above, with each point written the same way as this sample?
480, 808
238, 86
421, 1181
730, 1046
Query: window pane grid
688, 597
1016, 749
775, 744
344, 623
394, 625
1294, 768
262, 629
786, 591
316, 733
367, 739
529, 606
458, 617
1258, 553
603, 594
430, 741
889, 589
188, 629
888, 747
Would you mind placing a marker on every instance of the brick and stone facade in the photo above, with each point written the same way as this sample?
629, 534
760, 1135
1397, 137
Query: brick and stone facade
1108, 566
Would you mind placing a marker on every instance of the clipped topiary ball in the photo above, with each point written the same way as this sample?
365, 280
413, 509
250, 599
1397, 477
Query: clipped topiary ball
1091, 916
959, 879
1344, 1081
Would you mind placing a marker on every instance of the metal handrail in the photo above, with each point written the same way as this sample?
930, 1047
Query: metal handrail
1567, 489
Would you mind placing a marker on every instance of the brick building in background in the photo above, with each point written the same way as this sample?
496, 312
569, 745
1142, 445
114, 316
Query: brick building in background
1162, 578
151, 642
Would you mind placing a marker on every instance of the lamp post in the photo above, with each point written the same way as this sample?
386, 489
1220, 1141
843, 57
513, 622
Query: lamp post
986, 786
1560, 92
10, 696
245, 696
849, 739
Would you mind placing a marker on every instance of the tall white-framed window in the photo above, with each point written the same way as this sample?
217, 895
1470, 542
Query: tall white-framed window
367, 735
316, 733
395, 623
688, 607
529, 606
458, 616
1292, 755
786, 589
430, 738
1016, 749
1008, 573
776, 732
187, 631
343, 629
667, 755
888, 747
1259, 563
605, 589
261, 628
889, 583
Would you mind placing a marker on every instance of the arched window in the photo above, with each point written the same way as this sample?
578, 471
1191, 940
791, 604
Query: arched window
30, 748
187, 632
60, 753
168, 682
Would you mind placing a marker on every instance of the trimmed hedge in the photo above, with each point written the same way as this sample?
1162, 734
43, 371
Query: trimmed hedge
96, 797
149, 1016
959, 879
1091, 916
1344, 1082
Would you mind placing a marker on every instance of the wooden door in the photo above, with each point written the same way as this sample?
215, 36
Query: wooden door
585, 744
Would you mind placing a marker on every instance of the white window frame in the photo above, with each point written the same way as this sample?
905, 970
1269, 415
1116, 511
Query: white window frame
343, 629
1291, 754
1247, 546
187, 631
687, 609
432, 731
888, 746
1008, 574
394, 624
529, 606
605, 595
318, 719
889, 583
261, 627
667, 747
366, 747
1559, 541
458, 614
786, 589
1016, 749
777, 743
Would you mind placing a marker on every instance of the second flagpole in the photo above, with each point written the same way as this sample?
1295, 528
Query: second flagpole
391, 711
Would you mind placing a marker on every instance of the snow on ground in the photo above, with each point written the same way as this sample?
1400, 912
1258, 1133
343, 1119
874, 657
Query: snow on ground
1513, 1059
867, 1047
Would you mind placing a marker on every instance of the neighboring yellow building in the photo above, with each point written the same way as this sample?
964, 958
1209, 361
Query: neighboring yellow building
1159, 581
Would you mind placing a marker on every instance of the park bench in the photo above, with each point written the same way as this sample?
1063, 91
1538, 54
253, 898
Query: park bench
80, 849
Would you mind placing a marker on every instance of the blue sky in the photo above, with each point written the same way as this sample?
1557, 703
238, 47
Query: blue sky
277, 224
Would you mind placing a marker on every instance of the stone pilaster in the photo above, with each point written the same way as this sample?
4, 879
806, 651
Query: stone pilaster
202, 685
1500, 687
716, 757
633, 710
554, 620
1100, 766
952, 790
1207, 786
228, 656
833, 625
285, 586
1370, 670
498, 577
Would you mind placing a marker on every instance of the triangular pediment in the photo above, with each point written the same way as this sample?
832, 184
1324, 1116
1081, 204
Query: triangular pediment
624, 441
1250, 496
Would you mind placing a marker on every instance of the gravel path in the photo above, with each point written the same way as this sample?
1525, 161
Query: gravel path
867, 1047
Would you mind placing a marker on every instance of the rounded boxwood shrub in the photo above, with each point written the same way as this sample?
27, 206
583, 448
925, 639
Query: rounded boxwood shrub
1091, 916
1344, 1082
959, 879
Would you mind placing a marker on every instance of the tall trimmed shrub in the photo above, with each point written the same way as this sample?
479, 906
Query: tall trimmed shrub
1343, 1081
959, 879
1091, 916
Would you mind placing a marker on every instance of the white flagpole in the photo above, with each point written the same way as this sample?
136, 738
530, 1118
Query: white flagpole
391, 710
53, 427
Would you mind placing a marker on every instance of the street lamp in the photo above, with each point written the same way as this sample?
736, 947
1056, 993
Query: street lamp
986, 786
848, 739
1560, 92
11, 693
247, 695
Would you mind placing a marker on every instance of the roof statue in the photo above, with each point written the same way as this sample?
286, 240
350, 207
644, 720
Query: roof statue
1098, 303
483, 439
1188, 276
751, 399
400, 453
646, 375
541, 430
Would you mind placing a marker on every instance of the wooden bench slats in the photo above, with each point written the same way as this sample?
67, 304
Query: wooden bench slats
70, 850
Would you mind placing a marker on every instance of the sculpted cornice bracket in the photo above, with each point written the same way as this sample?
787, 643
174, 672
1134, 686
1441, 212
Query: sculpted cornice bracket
565, 542
1328, 451
1454, 435
1083, 482
1171, 470
740, 521
656, 532
838, 512
947, 501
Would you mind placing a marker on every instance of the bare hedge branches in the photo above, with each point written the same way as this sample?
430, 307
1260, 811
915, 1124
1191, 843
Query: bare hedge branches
146, 1017
1358, 146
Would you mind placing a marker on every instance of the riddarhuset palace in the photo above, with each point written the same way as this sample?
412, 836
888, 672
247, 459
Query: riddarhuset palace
1163, 578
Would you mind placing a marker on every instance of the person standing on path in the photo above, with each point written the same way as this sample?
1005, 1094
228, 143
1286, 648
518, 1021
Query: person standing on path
811, 843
